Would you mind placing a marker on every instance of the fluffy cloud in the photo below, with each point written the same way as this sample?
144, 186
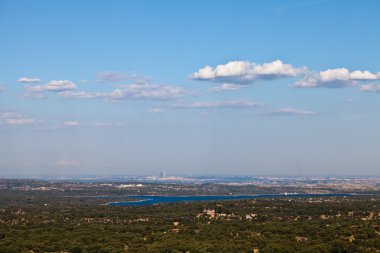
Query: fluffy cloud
236, 75
133, 91
28, 80
335, 78
371, 88
12, 118
291, 112
155, 110
54, 85
222, 104
244, 72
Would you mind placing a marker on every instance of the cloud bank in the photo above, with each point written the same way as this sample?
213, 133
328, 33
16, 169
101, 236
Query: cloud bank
133, 91
236, 75
245, 72
335, 78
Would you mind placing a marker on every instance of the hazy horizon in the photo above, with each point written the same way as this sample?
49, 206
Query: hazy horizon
184, 175
189, 87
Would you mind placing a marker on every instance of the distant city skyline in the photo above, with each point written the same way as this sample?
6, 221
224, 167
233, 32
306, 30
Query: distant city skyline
192, 87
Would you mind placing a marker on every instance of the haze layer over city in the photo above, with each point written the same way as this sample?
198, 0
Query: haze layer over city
189, 87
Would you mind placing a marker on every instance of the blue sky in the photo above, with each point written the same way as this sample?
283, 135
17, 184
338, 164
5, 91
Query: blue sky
189, 87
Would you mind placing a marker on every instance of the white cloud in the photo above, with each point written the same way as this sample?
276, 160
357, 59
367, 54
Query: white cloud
12, 118
118, 76
363, 75
133, 91
291, 112
68, 162
34, 95
223, 104
335, 78
97, 124
236, 75
83, 94
228, 87
54, 85
375, 88
155, 110
28, 80
149, 91
71, 123
244, 72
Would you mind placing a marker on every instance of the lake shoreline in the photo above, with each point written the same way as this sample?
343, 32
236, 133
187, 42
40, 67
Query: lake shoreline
160, 199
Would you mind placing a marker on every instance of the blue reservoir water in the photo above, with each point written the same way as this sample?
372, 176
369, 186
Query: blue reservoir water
151, 200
